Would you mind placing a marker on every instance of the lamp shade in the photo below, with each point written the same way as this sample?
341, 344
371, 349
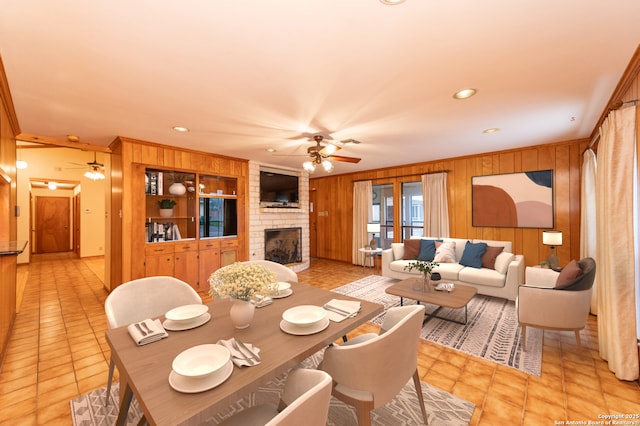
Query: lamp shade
373, 227
552, 238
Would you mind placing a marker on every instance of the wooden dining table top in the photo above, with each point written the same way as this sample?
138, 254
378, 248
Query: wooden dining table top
146, 368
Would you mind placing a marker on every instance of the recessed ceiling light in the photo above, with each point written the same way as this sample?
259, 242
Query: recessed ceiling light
73, 138
271, 150
491, 130
464, 93
391, 2
180, 129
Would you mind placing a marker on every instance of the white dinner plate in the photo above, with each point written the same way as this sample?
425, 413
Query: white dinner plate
186, 312
201, 360
194, 385
186, 325
304, 315
304, 331
284, 293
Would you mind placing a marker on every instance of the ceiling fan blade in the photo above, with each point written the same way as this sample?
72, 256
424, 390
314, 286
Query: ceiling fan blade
344, 159
77, 164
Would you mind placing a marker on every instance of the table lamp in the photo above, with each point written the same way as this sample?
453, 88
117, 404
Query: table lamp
373, 228
553, 239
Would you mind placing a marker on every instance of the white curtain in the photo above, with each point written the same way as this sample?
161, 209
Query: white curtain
436, 206
588, 242
616, 255
362, 205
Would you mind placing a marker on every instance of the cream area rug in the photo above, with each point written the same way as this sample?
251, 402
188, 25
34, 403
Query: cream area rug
492, 331
443, 408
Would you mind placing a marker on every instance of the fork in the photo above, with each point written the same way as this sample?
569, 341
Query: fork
246, 358
338, 311
146, 327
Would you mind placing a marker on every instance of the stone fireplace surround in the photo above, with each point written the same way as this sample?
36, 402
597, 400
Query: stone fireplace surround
261, 219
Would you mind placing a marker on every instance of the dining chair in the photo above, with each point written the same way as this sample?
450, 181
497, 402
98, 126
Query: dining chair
304, 401
144, 298
371, 371
542, 303
283, 273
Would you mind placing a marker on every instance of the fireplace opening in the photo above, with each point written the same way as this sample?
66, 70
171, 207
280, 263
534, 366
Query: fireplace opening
283, 245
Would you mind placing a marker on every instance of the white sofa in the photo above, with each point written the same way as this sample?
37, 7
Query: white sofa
500, 282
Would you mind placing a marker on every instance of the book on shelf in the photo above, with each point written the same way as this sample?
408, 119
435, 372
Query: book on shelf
157, 232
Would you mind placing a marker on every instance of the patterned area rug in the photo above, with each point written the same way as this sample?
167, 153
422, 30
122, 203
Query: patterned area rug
492, 331
443, 408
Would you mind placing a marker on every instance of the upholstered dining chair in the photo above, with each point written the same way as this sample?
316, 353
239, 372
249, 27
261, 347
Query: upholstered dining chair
304, 401
283, 273
144, 298
548, 302
370, 371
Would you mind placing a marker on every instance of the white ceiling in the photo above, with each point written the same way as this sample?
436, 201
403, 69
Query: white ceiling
247, 75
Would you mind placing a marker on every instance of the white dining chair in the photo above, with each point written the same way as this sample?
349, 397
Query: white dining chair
371, 371
304, 401
283, 273
145, 298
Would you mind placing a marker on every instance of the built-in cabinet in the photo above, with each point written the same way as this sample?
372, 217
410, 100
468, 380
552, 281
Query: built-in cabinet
187, 214
191, 224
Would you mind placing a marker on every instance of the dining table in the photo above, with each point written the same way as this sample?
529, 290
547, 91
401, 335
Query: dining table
144, 370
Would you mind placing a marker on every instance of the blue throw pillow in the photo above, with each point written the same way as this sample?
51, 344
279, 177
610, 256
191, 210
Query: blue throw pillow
472, 255
427, 250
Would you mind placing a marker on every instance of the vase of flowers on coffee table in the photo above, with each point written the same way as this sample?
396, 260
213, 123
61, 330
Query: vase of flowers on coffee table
426, 267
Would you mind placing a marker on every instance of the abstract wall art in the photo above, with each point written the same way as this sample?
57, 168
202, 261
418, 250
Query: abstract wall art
517, 200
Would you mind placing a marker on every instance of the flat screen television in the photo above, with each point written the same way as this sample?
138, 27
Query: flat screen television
278, 189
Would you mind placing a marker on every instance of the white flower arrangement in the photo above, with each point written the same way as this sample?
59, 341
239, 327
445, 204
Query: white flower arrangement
242, 281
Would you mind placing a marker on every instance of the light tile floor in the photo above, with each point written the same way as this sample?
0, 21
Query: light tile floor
58, 351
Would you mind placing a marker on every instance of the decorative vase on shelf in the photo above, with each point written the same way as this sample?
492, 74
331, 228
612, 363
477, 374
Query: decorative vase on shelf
241, 313
166, 212
177, 188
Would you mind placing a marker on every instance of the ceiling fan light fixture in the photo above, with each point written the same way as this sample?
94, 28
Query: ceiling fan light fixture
330, 149
94, 174
327, 166
309, 166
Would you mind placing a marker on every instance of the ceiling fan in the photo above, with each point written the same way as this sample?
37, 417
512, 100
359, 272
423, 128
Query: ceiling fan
321, 154
94, 171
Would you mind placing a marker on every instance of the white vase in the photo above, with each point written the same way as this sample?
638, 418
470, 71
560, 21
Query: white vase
177, 188
241, 313
166, 212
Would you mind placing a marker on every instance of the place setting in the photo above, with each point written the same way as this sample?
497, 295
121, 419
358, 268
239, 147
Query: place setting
283, 290
304, 320
186, 317
340, 310
200, 368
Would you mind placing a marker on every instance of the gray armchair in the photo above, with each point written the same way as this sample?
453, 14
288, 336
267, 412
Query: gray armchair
541, 304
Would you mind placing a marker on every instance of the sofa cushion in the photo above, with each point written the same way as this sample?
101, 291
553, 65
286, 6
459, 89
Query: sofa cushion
398, 250
448, 271
508, 246
411, 249
503, 260
427, 250
482, 276
568, 274
446, 253
490, 255
472, 255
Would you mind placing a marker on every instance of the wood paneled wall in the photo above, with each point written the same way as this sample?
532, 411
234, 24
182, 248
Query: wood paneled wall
334, 195
8, 200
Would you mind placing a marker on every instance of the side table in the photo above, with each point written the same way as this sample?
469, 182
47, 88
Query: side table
369, 253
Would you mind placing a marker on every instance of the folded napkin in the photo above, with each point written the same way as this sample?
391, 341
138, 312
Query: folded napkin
147, 331
263, 301
241, 356
339, 310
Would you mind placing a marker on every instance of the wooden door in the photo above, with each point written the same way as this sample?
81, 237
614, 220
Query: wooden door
52, 224
186, 267
209, 262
